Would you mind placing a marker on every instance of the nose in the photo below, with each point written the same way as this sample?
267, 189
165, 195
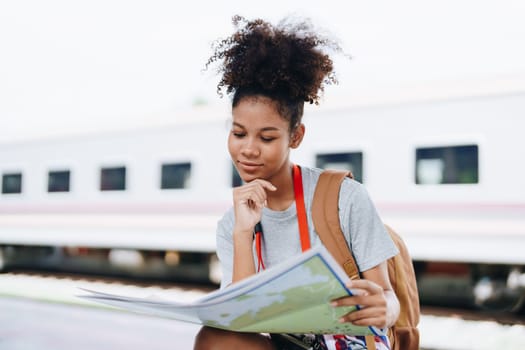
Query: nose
250, 148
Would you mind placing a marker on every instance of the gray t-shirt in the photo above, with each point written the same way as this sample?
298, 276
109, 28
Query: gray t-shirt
362, 227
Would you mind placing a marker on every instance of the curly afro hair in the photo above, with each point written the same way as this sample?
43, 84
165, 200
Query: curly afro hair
285, 63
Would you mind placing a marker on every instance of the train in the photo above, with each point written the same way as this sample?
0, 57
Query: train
444, 169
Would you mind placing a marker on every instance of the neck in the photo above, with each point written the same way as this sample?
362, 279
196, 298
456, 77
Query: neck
284, 196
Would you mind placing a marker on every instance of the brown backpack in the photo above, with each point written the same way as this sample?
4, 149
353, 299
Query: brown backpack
404, 335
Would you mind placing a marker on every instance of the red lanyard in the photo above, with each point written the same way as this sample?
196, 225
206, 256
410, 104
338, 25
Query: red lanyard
301, 218
300, 207
258, 244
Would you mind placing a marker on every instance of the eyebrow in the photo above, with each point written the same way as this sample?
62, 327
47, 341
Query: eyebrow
268, 128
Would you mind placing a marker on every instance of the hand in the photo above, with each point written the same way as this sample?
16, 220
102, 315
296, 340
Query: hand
248, 201
372, 301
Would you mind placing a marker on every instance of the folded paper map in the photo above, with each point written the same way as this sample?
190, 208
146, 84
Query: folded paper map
293, 297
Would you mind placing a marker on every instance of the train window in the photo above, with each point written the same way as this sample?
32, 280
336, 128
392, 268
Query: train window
447, 165
236, 178
12, 183
352, 161
176, 175
58, 181
113, 179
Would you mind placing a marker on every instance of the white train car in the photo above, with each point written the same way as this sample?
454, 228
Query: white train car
133, 198
445, 172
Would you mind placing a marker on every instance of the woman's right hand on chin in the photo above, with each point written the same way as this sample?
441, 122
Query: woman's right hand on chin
248, 201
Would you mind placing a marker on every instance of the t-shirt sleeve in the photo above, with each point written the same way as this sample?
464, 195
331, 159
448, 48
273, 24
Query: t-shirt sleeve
225, 248
363, 229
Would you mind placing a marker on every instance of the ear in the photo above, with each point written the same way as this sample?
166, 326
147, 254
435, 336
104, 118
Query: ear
297, 136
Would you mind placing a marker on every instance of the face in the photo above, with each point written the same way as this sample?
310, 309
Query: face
259, 142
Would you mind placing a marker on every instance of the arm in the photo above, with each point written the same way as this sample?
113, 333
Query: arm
248, 201
378, 302
243, 265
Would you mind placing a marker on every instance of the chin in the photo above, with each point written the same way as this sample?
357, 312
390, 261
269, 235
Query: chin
249, 177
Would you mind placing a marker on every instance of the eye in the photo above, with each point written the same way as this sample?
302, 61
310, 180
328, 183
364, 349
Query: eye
238, 134
267, 138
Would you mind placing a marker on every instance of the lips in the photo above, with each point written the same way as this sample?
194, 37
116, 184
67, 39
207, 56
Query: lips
248, 167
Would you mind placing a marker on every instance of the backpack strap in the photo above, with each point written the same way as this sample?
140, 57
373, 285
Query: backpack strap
325, 215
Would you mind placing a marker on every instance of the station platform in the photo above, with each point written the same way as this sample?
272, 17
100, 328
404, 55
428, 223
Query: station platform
44, 313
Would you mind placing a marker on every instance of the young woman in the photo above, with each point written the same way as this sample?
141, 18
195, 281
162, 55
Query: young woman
271, 71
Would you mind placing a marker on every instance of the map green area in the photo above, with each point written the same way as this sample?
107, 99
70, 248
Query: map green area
293, 297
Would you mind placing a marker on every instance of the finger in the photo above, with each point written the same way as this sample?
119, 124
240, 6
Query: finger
378, 322
366, 285
253, 201
345, 301
258, 196
366, 317
254, 186
358, 292
253, 196
250, 203
267, 185
361, 300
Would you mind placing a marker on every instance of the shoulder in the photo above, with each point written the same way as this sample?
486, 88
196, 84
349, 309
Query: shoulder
352, 188
310, 175
353, 196
310, 172
348, 188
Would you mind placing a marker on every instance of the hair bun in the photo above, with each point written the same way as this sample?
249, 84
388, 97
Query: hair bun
283, 60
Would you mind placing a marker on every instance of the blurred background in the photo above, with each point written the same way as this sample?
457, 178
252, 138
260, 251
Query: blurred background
76, 66
114, 165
